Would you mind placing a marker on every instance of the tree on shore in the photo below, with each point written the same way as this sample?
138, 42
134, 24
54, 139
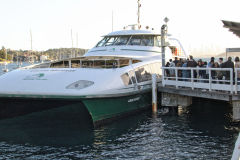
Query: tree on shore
2, 54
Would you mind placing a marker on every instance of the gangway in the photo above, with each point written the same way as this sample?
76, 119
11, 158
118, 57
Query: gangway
177, 90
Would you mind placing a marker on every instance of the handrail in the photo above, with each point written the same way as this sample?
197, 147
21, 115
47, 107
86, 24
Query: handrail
230, 82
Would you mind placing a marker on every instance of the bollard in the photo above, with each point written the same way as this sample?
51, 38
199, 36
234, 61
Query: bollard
154, 93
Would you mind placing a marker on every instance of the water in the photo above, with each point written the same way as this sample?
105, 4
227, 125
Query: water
203, 131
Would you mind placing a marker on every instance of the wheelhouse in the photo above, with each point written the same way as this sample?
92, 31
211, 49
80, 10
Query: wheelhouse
138, 40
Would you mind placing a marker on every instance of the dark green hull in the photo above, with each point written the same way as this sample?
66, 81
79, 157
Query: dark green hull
102, 109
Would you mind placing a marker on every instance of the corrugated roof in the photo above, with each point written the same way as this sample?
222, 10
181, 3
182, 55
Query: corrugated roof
232, 26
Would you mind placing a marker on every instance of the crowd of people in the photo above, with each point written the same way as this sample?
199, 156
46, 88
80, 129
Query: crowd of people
217, 75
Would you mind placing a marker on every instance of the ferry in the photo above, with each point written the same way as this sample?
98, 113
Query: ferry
111, 79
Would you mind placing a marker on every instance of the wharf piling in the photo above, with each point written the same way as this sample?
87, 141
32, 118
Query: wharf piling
154, 93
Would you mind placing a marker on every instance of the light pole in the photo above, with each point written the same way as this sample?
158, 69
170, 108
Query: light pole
163, 39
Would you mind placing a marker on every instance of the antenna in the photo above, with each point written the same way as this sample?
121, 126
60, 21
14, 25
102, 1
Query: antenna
112, 20
138, 13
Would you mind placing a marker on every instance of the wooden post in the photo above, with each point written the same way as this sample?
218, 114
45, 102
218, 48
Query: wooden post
154, 93
236, 110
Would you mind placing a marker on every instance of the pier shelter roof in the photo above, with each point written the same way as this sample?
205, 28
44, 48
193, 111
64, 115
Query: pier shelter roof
232, 26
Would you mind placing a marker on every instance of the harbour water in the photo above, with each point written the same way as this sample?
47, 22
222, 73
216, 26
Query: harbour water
203, 131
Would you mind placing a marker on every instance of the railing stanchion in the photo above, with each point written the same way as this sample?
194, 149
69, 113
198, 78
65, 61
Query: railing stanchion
236, 82
163, 77
176, 77
192, 78
231, 79
210, 79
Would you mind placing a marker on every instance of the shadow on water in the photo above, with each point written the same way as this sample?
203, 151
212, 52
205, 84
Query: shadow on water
64, 126
213, 117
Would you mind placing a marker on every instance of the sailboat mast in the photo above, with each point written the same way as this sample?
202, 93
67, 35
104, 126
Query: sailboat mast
138, 13
31, 38
72, 43
6, 55
31, 56
112, 21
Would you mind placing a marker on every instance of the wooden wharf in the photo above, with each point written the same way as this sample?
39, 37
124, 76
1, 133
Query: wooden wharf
178, 91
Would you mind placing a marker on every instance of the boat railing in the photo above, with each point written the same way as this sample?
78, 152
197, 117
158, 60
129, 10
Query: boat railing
217, 79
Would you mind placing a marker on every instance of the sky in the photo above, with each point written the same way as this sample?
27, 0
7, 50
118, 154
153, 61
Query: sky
196, 23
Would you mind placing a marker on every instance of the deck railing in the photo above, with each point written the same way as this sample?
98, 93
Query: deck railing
219, 79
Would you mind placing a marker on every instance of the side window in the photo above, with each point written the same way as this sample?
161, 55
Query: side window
132, 76
111, 63
122, 40
110, 41
75, 64
66, 64
102, 42
156, 69
135, 40
143, 74
99, 64
57, 65
87, 64
157, 41
124, 62
147, 41
147, 73
126, 80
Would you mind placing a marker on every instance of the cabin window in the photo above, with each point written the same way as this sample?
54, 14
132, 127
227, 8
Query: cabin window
146, 76
132, 76
99, 64
110, 41
144, 73
102, 42
75, 64
60, 64
123, 62
122, 40
157, 41
111, 64
87, 64
140, 74
126, 80
147, 41
135, 61
156, 69
135, 40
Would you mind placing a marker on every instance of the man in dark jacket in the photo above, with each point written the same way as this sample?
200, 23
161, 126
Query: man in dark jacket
192, 63
228, 64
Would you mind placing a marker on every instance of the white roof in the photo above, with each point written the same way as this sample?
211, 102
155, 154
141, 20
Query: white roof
133, 32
